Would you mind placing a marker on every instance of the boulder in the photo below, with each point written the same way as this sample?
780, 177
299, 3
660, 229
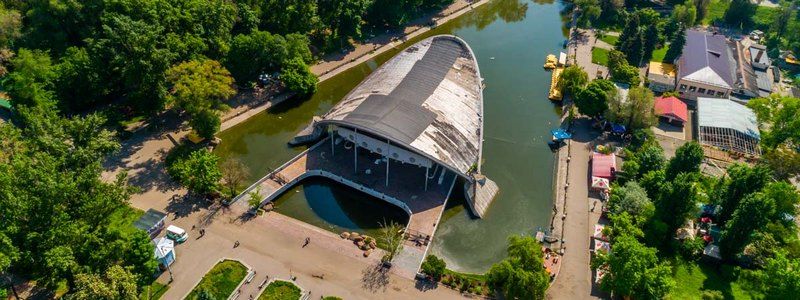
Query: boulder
367, 253
345, 235
373, 245
360, 244
354, 235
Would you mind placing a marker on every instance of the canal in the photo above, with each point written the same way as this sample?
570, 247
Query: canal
510, 39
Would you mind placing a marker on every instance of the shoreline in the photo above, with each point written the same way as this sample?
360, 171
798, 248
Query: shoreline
361, 52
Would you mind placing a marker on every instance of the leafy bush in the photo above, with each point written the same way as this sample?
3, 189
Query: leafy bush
691, 248
434, 267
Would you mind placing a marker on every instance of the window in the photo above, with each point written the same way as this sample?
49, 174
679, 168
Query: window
719, 94
379, 150
701, 90
683, 87
710, 92
692, 89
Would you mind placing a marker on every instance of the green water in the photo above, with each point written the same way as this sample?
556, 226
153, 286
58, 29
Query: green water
324, 203
510, 39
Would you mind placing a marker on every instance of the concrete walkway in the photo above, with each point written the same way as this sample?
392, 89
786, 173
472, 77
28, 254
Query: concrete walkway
574, 281
423, 198
272, 245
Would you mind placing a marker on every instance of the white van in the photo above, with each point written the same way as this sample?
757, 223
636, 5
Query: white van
177, 234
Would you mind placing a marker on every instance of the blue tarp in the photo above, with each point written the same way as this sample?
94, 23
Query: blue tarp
560, 134
618, 128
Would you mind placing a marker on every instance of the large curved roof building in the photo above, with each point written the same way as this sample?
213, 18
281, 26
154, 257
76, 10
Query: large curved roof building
427, 100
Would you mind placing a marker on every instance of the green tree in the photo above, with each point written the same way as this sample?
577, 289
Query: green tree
116, 283
688, 158
10, 26
261, 51
636, 112
740, 13
434, 267
741, 182
521, 275
134, 61
631, 199
650, 158
781, 277
289, 16
343, 17
623, 224
199, 171
593, 100
685, 13
676, 45
77, 83
590, 11
702, 10
640, 108
752, 214
31, 78
651, 36
392, 236
255, 198
200, 87
297, 77
634, 271
620, 70
677, 202
572, 80
205, 295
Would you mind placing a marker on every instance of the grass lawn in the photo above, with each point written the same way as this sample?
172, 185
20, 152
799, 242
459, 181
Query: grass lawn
222, 280
280, 290
761, 19
692, 278
609, 39
660, 53
600, 56
153, 291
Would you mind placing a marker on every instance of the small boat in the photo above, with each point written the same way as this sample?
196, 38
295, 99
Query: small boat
555, 93
551, 62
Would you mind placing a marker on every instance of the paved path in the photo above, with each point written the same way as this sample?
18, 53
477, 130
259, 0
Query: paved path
581, 47
272, 246
406, 188
574, 281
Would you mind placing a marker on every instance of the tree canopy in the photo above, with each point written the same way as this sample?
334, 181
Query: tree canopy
593, 100
634, 270
521, 275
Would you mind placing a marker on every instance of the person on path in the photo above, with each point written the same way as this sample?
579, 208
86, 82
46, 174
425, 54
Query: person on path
308, 240
236, 244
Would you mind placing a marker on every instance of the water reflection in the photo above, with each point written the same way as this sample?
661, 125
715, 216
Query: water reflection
510, 39
335, 207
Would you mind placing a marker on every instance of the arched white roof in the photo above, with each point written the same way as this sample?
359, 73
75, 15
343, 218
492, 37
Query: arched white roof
427, 98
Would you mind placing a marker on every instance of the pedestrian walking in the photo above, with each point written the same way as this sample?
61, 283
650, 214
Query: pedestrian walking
236, 244
308, 240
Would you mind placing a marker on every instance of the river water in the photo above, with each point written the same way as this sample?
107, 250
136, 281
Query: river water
510, 39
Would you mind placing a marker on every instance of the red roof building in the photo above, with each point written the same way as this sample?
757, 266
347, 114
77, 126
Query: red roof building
604, 165
672, 109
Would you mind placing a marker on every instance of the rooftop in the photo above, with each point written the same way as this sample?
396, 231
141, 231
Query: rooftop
724, 113
663, 69
707, 59
428, 98
671, 106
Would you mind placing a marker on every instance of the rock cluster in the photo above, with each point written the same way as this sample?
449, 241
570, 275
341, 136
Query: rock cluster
363, 242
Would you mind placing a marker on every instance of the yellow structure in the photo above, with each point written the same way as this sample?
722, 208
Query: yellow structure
555, 92
551, 62
661, 76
